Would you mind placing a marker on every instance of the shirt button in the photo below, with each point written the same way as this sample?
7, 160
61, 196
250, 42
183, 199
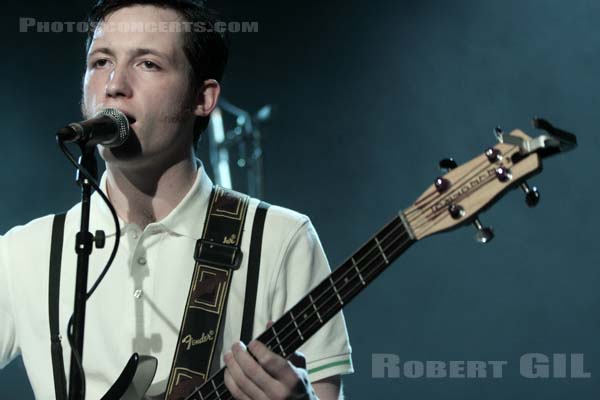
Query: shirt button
135, 235
138, 293
142, 261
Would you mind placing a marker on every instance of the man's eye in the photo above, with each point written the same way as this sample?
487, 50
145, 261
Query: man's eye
100, 63
150, 65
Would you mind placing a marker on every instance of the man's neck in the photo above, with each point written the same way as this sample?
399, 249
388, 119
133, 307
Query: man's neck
145, 196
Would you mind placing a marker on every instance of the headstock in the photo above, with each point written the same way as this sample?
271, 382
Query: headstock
457, 197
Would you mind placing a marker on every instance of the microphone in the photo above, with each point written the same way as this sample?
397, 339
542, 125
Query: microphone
109, 128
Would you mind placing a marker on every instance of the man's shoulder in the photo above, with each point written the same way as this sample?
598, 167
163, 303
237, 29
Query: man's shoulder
31, 229
281, 218
28, 239
276, 214
287, 215
284, 228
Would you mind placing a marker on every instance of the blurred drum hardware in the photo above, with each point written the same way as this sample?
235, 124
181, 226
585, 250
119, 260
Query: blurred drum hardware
234, 143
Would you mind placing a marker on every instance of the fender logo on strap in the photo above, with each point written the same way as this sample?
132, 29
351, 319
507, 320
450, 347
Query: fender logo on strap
190, 341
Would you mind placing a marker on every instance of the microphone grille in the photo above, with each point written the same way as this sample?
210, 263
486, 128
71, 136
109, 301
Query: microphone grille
122, 126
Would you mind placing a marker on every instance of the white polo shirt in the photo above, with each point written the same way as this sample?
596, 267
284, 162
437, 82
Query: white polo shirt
139, 305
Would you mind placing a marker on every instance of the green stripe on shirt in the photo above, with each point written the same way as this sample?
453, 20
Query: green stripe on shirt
333, 364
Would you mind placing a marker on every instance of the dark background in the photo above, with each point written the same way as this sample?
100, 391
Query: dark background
369, 96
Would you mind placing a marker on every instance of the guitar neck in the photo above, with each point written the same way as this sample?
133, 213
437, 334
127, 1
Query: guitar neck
298, 324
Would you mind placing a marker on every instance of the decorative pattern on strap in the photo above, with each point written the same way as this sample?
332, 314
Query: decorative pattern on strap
217, 255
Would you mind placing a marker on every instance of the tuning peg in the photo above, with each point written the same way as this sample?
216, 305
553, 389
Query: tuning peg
503, 174
447, 164
532, 195
441, 184
483, 235
493, 155
456, 211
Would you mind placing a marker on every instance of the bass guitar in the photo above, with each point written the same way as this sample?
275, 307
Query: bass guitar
452, 200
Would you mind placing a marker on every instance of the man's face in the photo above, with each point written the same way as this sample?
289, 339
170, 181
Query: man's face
144, 74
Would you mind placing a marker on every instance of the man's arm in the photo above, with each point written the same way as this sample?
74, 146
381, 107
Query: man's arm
329, 388
264, 375
8, 340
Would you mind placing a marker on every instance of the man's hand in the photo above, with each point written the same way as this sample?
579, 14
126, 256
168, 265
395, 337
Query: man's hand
269, 377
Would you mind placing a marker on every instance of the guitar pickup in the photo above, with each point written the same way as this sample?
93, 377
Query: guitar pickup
217, 255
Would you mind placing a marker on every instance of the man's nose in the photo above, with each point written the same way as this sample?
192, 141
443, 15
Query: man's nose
118, 83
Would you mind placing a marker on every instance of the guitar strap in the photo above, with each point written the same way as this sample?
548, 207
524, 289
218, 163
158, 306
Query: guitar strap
217, 255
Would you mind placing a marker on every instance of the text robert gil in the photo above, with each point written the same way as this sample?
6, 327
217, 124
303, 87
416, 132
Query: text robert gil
531, 365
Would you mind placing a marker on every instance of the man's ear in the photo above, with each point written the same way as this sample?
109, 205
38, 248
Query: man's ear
207, 98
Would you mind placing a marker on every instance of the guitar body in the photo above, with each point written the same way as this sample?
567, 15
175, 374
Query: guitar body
134, 381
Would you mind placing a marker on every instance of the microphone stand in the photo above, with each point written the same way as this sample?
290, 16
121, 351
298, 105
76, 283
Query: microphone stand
84, 243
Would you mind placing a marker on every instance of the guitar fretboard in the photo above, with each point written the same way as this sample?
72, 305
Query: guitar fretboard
297, 325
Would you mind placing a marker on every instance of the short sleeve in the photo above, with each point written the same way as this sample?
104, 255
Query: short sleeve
9, 348
303, 266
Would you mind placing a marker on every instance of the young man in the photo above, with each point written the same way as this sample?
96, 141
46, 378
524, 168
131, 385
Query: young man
167, 83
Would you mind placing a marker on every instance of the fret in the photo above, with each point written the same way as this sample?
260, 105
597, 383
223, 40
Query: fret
205, 391
266, 337
296, 326
287, 330
359, 271
193, 396
336, 291
315, 308
406, 226
278, 342
362, 280
303, 311
350, 283
215, 388
381, 250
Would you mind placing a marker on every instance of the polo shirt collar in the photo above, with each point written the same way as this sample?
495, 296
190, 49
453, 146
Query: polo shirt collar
186, 219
